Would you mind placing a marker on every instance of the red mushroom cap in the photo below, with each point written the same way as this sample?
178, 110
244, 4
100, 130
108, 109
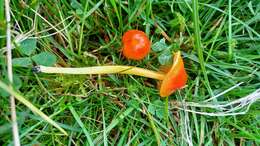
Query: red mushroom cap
176, 77
136, 44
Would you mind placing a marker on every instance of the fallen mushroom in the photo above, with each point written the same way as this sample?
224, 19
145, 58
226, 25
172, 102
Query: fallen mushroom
136, 45
174, 79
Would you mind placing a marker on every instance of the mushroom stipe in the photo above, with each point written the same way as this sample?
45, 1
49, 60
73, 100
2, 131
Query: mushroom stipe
171, 81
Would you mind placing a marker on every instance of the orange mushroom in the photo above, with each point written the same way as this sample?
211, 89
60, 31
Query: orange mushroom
136, 45
171, 81
176, 77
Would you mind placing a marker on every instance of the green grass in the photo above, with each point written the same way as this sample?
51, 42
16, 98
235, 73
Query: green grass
220, 43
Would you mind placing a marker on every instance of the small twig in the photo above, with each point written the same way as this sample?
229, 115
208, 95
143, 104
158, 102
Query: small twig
10, 74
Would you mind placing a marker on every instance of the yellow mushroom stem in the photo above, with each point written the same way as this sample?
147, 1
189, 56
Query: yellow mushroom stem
110, 69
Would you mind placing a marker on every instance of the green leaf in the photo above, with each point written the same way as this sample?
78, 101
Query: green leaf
133, 103
3, 93
159, 46
17, 84
79, 12
165, 57
152, 109
22, 62
76, 5
27, 47
45, 58
5, 128
157, 109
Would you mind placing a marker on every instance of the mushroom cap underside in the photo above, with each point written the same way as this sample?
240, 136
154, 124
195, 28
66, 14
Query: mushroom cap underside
176, 77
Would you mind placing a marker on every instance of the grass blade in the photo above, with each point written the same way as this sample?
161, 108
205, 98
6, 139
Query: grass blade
230, 46
198, 45
114, 123
31, 106
156, 133
76, 116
